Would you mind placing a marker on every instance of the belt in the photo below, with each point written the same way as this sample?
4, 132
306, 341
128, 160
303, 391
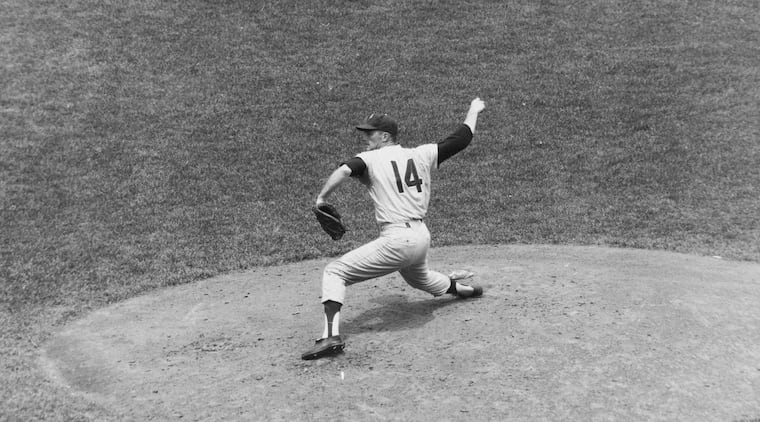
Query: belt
407, 223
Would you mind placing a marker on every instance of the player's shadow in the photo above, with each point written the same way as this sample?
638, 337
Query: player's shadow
396, 313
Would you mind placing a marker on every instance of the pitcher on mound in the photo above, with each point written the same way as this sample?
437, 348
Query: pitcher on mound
399, 181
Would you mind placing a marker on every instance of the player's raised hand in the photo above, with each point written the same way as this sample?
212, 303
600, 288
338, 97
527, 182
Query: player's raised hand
477, 105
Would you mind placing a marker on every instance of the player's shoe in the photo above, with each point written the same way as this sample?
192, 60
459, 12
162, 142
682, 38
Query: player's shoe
325, 347
466, 293
469, 290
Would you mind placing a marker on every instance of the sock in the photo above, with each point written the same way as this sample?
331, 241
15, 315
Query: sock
452, 287
332, 319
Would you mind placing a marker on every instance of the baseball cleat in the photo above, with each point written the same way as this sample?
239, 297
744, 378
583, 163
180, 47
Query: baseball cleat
460, 275
325, 347
476, 291
464, 290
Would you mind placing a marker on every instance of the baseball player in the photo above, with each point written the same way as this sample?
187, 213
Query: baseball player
399, 182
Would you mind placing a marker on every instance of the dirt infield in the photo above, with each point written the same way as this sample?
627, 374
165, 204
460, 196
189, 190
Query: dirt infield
562, 333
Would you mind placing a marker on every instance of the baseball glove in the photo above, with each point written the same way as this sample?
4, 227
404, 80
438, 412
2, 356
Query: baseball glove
329, 219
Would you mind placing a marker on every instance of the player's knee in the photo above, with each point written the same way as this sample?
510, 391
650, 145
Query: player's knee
334, 269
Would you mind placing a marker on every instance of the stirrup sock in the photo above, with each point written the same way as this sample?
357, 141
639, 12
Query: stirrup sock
332, 319
452, 288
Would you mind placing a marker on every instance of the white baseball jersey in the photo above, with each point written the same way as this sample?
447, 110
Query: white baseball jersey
399, 182
399, 179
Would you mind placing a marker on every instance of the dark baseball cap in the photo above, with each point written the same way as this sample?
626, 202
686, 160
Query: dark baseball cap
379, 122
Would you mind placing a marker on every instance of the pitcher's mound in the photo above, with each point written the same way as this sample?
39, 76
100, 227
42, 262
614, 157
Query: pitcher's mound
561, 333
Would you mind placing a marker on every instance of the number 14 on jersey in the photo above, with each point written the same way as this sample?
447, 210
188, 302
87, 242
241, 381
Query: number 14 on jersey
411, 178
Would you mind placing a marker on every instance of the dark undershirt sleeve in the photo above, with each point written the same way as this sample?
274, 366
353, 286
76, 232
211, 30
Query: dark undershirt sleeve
454, 143
357, 166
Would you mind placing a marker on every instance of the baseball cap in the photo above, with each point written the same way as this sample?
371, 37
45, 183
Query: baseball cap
380, 122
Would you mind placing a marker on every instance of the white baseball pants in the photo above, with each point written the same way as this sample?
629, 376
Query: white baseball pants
401, 247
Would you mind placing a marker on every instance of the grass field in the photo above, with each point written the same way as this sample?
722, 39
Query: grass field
153, 143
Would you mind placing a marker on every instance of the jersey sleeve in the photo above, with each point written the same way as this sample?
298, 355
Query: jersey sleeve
429, 153
357, 165
454, 143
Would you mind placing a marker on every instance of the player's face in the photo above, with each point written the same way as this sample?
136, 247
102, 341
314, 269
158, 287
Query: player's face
374, 139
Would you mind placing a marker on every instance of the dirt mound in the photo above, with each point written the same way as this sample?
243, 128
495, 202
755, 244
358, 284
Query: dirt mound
562, 333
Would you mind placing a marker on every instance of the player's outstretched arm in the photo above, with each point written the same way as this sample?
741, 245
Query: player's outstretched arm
471, 119
462, 137
338, 176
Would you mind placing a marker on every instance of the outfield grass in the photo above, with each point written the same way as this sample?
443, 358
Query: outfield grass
147, 144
